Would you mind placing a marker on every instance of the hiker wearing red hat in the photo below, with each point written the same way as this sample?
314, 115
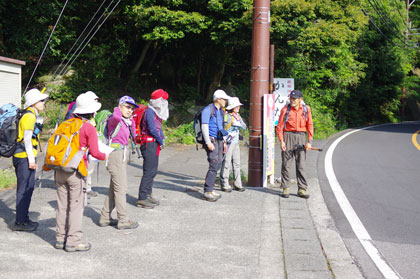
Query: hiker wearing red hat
151, 143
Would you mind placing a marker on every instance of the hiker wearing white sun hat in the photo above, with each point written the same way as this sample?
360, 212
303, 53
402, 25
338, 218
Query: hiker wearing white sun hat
233, 123
24, 159
71, 186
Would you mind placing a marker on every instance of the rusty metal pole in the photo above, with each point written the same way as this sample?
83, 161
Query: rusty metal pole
259, 87
271, 82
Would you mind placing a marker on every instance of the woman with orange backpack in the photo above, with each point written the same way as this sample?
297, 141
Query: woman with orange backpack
151, 144
70, 179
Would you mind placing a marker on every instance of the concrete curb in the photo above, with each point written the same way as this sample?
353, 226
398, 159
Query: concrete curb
339, 259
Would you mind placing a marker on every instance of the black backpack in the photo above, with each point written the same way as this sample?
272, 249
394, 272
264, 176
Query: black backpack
197, 127
9, 128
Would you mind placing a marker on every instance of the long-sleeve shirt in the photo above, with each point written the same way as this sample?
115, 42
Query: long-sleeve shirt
213, 118
296, 122
89, 138
153, 126
124, 133
233, 126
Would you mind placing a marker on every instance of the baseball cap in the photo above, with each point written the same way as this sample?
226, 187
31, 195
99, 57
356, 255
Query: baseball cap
128, 100
296, 94
220, 94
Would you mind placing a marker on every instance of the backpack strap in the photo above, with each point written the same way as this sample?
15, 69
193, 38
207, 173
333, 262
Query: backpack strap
305, 113
286, 117
230, 122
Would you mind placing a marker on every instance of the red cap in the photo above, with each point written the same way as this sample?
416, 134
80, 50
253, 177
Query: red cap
159, 93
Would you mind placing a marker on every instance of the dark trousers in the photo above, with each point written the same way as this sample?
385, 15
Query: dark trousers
215, 159
292, 139
150, 167
25, 187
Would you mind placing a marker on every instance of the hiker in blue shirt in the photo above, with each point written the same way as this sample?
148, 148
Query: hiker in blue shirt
213, 133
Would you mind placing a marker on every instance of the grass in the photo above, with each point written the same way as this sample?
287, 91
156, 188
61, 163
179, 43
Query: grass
7, 179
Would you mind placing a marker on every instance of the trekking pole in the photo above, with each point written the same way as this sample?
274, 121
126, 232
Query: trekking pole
302, 147
133, 140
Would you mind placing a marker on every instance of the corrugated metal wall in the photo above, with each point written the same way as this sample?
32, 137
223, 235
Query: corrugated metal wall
10, 83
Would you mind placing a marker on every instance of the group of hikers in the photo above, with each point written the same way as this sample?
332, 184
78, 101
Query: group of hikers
74, 146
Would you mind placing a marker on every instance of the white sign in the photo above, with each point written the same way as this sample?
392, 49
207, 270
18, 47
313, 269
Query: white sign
269, 138
282, 89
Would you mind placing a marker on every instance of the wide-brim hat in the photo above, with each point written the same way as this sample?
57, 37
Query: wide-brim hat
85, 104
233, 103
33, 96
220, 94
91, 95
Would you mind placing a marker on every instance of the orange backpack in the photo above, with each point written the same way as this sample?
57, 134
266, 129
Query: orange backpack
62, 149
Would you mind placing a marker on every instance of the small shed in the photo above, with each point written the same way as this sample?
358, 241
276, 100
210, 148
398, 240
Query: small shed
10, 81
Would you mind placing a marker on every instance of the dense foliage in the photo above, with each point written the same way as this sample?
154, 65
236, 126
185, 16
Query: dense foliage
350, 58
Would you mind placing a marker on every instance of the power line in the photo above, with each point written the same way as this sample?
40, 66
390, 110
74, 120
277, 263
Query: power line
397, 6
380, 31
382, 16
45, 47
71, 60
81, 34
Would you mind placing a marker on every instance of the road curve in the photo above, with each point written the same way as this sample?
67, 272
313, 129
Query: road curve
378, 171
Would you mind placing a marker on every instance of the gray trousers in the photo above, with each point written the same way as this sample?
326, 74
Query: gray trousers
70, 206
232, 159
117, 168
214, 158
292, 139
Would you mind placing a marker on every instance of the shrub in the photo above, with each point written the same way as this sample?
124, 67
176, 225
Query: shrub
7, 178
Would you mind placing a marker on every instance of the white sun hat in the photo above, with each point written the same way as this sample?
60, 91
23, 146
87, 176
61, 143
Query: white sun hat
91, 95
33, 96
233, 103
220, 94
85, 104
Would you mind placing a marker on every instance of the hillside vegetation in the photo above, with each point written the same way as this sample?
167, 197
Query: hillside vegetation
350, 58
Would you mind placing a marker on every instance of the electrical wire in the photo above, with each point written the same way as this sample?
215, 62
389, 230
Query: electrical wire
81, 34
382, 16
95, 32
71, 60
45, 47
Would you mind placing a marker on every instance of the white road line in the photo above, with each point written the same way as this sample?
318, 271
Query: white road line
355, 223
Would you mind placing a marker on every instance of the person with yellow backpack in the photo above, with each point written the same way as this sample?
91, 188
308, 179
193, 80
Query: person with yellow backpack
24, 158
66, 154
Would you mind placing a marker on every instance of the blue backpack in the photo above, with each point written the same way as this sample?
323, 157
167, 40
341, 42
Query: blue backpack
9, 126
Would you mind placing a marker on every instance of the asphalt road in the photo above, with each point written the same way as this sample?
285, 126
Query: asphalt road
378, 170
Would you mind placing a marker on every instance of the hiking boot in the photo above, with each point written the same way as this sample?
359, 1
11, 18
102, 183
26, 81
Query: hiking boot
302, 193
81, 247
208, 196
286, 193
216, 195
59, 245
227, 189
239, 189
153, 200
129, 225
91, 194
28, 226
110, 222
145, 204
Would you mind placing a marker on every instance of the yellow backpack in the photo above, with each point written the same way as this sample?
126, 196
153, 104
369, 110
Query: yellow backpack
62, 149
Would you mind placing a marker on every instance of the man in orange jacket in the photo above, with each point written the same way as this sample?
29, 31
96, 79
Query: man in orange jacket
294, 122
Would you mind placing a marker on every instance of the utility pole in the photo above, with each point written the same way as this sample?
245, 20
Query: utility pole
259, 86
